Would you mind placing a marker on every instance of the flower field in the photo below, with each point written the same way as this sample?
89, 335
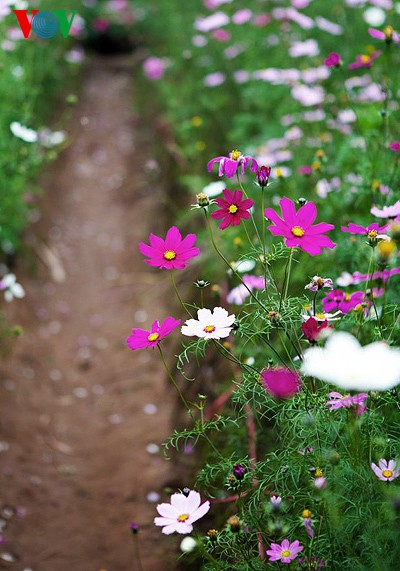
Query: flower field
297, 289
283, 124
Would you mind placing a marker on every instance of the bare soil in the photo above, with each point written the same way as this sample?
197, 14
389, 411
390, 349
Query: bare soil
78, 408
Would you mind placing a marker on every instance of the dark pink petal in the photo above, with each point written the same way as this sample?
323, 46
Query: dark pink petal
236, 196
230, 167
173, 238
218, 214
280, 230
156, 241
186, 244
288, 211
270, 214
146, 250
247, 203
319, 228
168, 325
306, 215
211, 163
354, 229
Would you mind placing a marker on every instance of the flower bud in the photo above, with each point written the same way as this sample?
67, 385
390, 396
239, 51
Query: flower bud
239, 471
202, 199
263, 175
234, 523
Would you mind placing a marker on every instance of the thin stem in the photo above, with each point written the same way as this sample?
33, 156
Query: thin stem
177, 293
221, 255
136, 551
286, 279
263, 237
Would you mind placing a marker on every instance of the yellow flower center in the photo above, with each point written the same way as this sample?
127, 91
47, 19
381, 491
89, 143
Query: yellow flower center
285, 553
386, 248
365, 59
320, 153
316, 165
183, 517
372, 234
318, 473
279, 172
235, 155
169, 255
197, 121
347, 297
209, 328
320, 315
387, 473
306, 514
233, 209
298, 231
376, 184
388, 31
153, 337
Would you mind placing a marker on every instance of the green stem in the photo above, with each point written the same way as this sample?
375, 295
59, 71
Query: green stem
177, 293
136, 552
286, 279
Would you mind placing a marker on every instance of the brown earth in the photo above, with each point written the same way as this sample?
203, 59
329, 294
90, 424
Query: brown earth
78, 408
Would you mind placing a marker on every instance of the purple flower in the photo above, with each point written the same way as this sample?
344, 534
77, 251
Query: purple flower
298, 228
140, 338
239, 471
333, 60
386, 470
347, 401
364, 60
228, 166
263, 175
285, 552
344, 302
387, 34
232, 208
395, 146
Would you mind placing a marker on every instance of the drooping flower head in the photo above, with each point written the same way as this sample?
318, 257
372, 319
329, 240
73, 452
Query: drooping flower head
336, 401
333, 60
386, 471
285, 552
388, 34
344, 302
318, 283
171, 253
140, 338
232, 208
297, 227
364, 60
228, 166
215, 324
181, 513
313, 330
345, 363
280, 382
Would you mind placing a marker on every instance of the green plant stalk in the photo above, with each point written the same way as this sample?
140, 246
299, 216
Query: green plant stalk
286, 279
178, 294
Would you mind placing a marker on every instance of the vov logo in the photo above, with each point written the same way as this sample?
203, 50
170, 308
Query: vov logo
45, 24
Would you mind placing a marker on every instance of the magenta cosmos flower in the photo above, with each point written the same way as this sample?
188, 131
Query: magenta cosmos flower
386, 470
312, 329
297, 227
171, 253
395, 146
333, 60
284, 552
344, 302
387, 34
181, 513
280, 382
364, 60
228, 166
232, 208
140, 338
371, 231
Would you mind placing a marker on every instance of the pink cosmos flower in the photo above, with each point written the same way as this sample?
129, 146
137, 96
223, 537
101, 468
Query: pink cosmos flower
215, 324
347, 401
214, 79
305, 170
386, 470
297, 227
333, 60
171, 253
371, 231
280, 382
239, 293
228, 166
344, 302
387, 211
154, 68
232, 208
285, 552
140, 338
312, 329
387, 34
242, 16
395, 146
364, 60
181, 513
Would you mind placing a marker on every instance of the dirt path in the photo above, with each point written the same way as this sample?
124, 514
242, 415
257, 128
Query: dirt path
82, 415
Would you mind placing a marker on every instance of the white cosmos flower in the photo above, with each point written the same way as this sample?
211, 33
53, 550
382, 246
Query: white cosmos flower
11, 287
345, 363
213, 324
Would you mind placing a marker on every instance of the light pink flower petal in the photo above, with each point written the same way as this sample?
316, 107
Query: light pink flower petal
168, 511
193, 501
179, 502
200, 512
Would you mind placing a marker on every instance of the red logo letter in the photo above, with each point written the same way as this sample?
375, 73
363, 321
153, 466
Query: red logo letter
24, 23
